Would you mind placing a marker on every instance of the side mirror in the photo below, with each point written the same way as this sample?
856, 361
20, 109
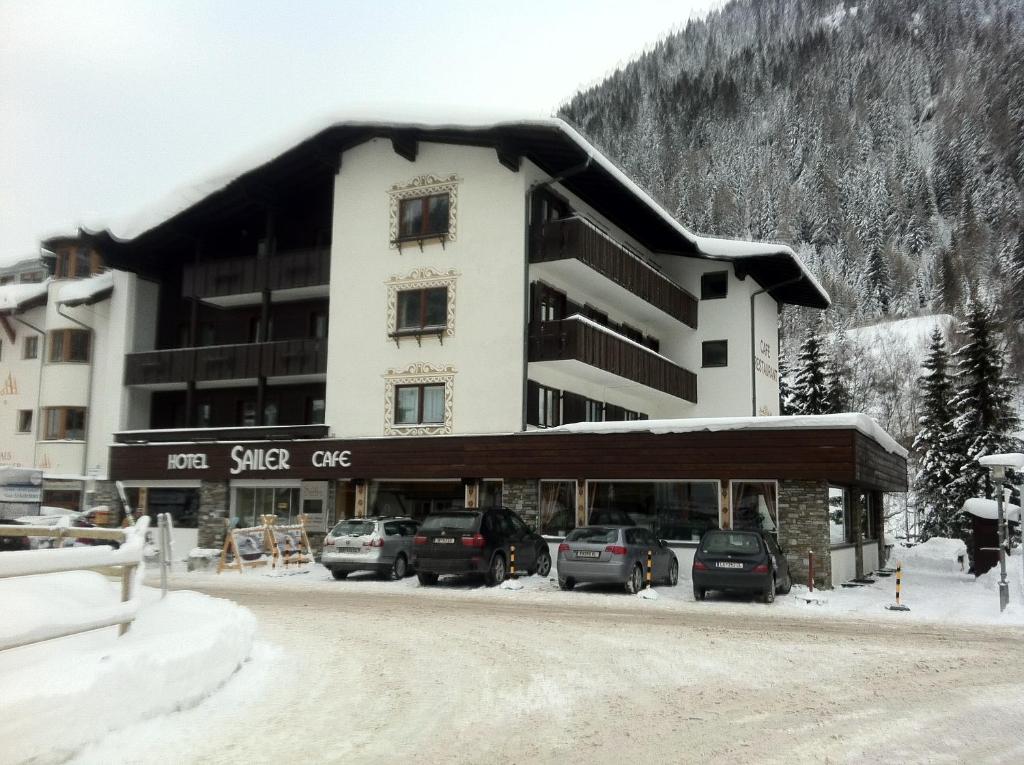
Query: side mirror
664, 542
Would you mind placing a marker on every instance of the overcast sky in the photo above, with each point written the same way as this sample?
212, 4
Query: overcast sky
106, 107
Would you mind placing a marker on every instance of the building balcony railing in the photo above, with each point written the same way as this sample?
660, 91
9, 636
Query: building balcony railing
240, 276
577, 238
281, 358
577, 339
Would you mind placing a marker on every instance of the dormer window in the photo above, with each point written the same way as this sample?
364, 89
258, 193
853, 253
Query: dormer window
424, 216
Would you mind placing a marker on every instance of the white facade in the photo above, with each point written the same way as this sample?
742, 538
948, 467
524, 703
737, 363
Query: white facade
485, 265
117, 323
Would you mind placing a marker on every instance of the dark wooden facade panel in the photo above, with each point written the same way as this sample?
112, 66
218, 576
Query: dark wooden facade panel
878, 468
805, 455
227, 362
240, 276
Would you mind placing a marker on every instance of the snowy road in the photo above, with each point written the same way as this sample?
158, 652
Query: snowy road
361, 675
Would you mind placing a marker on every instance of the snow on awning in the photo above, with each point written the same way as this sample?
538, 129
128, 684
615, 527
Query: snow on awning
19, 297
989, 509
86, 291
852, 420
1012, 459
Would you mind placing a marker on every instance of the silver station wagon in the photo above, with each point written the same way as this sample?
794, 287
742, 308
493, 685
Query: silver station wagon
380, 544
615, 554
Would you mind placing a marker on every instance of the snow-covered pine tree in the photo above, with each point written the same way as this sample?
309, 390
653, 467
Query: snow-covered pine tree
984, 416
837, 396
810, 391
785, 389
933, 443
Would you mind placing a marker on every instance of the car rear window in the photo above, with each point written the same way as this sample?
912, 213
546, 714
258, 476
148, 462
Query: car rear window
724, 542
593, 535
352, 529
457, 521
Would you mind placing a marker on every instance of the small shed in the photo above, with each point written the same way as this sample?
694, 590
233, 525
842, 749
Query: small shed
985, 525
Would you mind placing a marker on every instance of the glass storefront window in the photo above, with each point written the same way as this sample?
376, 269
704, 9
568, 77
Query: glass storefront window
251, 503
679, 511
557, 508
838, 515
755, 505
182, 504
414, 499
490, 494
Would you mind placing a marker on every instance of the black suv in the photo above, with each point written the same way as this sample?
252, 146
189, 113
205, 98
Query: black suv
477, 542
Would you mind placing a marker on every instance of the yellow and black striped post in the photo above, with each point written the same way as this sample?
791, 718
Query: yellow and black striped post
650, 567
512, 562
899, 582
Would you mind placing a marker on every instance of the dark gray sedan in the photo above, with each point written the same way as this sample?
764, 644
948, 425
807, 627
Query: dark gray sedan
615, 554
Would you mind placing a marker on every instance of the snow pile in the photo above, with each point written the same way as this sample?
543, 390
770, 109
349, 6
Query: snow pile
57, 696
938, 555
511, 584
647, 594
989, 509
85, 290
14, 296
854, 420
1012, 459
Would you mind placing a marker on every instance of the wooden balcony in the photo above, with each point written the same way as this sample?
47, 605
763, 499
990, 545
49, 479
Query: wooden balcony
282, 358
578, 340
576, 238
241, 276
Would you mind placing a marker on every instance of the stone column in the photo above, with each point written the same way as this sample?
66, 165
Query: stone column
106, 494
520, 495
803, 526
214, 501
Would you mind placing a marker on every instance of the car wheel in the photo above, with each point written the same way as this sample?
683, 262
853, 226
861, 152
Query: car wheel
399, 568
635, 582
339, 574
787, 586
543, 563
768, 596
673, 574
496, 571
567, 584
699, 593
427, 578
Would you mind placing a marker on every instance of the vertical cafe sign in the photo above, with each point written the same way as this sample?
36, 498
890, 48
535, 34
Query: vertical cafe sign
766, 366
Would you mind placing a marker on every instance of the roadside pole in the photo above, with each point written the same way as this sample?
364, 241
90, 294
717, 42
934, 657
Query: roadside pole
999, 475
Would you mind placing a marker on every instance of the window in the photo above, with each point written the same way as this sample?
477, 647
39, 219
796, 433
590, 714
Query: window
868, 517
64, 423
318, 325
419, 404
247, 413
549, 304
204, 415
557, 508
714, 286
714, 353
755, 505
25, 421
77, 263
838, 515
270, 413
31, 347
675, 510
69, 345
543, 405
423, 216
422, 309
595, 315
593, 411
6, 280
315, 411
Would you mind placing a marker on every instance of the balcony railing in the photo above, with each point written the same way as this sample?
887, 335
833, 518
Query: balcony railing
239, 276
577, 238
281, 358
579, 340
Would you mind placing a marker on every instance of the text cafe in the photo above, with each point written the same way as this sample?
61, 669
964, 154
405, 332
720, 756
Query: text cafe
817, 486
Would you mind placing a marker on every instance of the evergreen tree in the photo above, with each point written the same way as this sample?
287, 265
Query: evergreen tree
933, 442
810, 391
984, 413
785, 390
879, 284
837, 396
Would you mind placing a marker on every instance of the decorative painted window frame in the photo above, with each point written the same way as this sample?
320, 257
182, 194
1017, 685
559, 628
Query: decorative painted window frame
421, 278
419, 373
421, 186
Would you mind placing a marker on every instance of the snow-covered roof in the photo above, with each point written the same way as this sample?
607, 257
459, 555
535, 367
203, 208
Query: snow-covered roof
1011, 459
85, 291
852, 420
988, 508
131, 227
13, 297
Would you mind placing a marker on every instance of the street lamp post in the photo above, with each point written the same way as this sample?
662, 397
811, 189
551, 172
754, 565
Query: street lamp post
999, 475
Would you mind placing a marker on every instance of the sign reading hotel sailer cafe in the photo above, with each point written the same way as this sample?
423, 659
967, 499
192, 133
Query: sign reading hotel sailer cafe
263, 459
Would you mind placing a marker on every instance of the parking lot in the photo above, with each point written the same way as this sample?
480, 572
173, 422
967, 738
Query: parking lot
373, 671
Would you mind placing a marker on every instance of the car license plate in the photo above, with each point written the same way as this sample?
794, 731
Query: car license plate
349, 549
729, 564
445, 540
588, 554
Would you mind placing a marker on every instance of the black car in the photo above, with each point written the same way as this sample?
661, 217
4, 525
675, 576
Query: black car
743, 561
477, 542
13, 543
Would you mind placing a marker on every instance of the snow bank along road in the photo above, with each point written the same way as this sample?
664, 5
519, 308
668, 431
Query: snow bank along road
368, 677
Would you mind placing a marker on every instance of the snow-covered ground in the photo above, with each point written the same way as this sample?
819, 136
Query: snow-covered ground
59, 695
932, 586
